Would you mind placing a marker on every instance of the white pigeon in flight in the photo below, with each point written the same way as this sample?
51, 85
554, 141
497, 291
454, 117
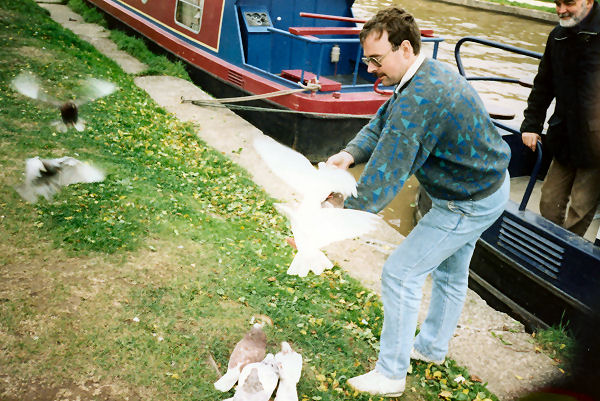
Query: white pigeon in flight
313, 225
45, 177
91, 89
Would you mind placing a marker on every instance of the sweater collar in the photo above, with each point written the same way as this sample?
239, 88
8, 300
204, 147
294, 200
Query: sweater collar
412, 70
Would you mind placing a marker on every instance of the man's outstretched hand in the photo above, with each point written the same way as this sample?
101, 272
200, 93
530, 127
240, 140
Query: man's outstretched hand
342, 160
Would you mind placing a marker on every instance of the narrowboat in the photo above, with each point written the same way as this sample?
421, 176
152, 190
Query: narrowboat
299, 61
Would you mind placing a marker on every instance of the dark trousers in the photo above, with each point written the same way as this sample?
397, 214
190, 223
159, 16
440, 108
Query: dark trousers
575, 188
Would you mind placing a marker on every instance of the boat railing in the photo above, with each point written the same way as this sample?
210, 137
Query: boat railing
322, 42
490, 43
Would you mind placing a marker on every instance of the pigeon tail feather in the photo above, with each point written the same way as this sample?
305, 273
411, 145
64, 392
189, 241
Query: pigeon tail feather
228, 380
305, 261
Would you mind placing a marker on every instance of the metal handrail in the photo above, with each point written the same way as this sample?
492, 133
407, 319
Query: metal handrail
502, 46
536, 166
532, 178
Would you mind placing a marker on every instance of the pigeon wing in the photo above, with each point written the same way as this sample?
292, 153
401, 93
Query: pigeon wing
73, 171
330, 225
337, 180
289, 165
29, 85
94, 88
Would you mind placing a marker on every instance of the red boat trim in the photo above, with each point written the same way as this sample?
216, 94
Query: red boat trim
128, 8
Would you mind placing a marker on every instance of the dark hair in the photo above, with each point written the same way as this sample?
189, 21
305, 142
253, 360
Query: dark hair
399, 25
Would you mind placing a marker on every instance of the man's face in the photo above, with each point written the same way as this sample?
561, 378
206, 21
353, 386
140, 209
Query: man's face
572, 12
393, 63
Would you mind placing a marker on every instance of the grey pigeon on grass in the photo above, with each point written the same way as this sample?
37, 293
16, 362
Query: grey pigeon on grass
250, 349
315, 224
91, 89
45, 177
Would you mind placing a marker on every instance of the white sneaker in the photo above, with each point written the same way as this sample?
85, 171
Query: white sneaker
414, 354
375, 383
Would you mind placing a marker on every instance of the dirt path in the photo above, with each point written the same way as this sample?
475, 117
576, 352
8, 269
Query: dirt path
490, 344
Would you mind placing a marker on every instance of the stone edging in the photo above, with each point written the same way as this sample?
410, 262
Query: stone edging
539, 15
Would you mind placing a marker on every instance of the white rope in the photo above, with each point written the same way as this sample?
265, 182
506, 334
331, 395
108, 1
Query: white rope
209, 103
310, 86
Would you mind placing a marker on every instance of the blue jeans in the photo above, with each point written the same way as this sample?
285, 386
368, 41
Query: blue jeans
441, 244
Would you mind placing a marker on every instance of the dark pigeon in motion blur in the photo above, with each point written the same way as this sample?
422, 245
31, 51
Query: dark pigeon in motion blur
91, 89
45, 177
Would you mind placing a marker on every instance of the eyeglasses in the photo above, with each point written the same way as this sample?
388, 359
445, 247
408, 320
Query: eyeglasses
375, 60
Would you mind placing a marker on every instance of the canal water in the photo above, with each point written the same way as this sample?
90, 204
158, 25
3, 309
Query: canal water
453, 22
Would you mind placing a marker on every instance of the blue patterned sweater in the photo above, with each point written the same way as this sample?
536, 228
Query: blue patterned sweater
436, 128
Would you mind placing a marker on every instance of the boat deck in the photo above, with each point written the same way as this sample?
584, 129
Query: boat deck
517, 188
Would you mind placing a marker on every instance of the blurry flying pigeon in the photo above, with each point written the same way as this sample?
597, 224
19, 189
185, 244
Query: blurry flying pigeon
29, 85
250, 349
289, 364
45, 177
313, 225
257, 381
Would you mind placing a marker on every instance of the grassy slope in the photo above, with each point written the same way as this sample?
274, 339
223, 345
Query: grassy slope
176, 236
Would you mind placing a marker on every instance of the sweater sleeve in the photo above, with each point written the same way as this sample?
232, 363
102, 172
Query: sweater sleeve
395, 158
541, 94
364, 143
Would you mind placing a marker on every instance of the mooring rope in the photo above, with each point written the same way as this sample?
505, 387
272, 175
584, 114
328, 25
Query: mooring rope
310, 86
224, 102
209, 103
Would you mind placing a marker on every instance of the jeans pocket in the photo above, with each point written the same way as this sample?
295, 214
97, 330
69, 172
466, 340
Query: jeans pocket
464, 208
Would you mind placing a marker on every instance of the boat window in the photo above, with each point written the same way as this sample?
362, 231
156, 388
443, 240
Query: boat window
189, 14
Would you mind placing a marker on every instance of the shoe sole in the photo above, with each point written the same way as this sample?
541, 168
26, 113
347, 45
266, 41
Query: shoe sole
398, 394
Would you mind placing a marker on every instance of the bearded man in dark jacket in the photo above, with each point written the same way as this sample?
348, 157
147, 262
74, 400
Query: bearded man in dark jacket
570, 73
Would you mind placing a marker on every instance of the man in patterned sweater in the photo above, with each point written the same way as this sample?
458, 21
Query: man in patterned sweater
435, 127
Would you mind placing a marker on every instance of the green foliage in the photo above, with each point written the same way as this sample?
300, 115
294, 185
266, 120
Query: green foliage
556, 341
90, 14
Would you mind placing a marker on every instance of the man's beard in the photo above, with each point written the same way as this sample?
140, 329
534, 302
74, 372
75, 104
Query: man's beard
575, 19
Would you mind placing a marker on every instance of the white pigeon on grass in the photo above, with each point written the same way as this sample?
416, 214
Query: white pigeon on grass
252, 348
45, 177
257, 381
91, 89
289, 364
314, 224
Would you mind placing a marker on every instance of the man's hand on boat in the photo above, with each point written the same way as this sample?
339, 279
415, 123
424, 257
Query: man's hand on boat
342, 159
529, 139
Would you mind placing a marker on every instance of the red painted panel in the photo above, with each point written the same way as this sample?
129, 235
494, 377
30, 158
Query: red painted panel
327, 85
164, 13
